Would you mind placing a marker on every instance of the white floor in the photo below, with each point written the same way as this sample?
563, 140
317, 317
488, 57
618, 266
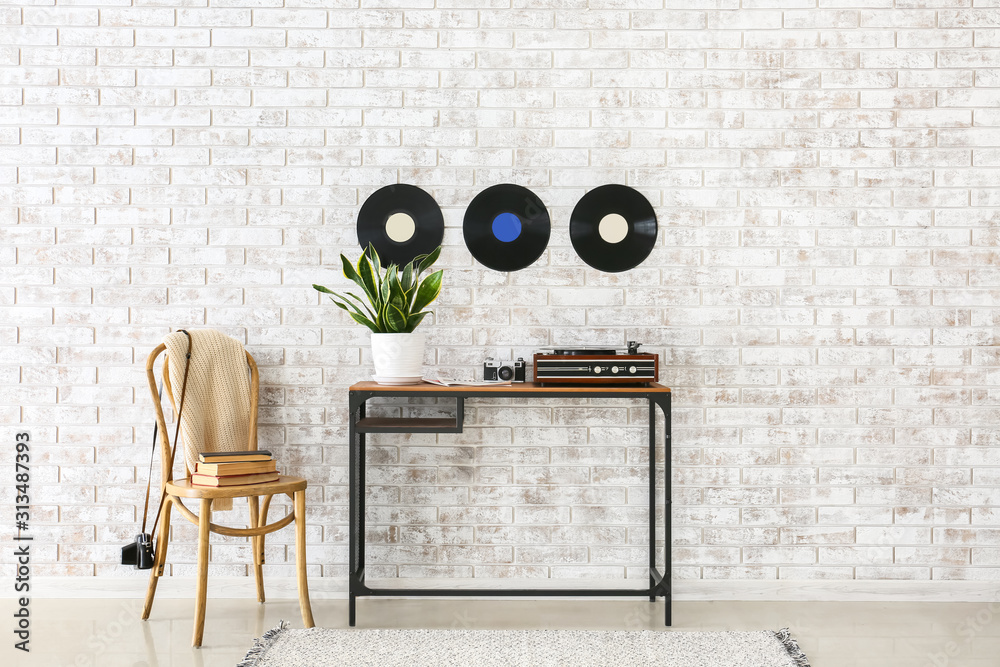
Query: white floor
108, 633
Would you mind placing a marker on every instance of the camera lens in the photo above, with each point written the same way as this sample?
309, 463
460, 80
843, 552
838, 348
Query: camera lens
505, 373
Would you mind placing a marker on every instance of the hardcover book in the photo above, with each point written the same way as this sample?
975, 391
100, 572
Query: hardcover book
235, 468
243, 455
233, 480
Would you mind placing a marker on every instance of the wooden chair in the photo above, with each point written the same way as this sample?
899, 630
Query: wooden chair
293, 487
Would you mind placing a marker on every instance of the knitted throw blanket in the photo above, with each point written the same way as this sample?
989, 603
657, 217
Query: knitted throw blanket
216, 415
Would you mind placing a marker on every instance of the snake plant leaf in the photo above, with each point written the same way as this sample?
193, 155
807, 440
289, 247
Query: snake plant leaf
385, 280
370, 280
365, 321
415, 262
343, 297
339, 304
374, 258
377, 268
415, 319
397, 295
396, 319
392, 274
384, 286
407, 278
347, 305
356, 316
428, 291
427, 260
387, 320
352, 274
358, 299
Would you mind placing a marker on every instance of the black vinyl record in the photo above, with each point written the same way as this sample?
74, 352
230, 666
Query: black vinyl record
401, 221
629, 221
506, 227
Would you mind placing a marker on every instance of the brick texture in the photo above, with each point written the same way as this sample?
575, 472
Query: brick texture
824, 291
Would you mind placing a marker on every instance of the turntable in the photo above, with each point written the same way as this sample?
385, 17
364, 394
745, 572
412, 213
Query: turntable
593, 364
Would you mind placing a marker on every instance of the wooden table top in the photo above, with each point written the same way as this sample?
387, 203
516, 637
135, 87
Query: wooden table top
516, 387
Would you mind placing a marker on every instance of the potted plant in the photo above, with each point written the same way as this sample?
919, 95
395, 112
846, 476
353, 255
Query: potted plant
396, 298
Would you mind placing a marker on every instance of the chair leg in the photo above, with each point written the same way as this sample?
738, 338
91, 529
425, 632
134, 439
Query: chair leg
263, 522
162, 539
201, 592
256, 546
300, 558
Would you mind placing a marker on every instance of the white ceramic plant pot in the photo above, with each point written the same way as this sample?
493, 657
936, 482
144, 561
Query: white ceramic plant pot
398, 355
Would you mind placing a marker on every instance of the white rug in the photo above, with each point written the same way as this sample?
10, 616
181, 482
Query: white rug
319, 647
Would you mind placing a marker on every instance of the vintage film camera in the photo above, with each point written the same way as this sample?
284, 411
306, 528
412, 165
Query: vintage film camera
495, 370
139, 553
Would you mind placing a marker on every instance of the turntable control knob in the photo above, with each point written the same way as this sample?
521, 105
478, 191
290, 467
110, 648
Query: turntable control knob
614, 369
597, 369
632, 369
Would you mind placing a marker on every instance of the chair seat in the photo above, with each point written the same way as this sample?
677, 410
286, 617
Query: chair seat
284, 484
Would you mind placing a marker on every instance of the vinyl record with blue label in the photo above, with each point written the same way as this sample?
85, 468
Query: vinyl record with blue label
401, 221
613, 228
506, 227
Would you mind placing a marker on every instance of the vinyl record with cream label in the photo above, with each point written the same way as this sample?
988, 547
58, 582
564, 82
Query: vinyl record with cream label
613, 228
401, 221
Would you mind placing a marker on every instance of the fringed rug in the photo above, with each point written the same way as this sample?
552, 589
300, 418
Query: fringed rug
319, 647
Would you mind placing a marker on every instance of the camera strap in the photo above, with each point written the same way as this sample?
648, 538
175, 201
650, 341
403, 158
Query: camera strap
152, 453
173, 450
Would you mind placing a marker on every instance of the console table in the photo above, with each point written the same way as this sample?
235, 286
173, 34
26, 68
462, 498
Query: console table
655, 394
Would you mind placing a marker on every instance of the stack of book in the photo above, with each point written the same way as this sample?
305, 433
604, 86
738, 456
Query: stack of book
234, 468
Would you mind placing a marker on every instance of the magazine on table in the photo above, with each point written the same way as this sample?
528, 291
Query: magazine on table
465, 383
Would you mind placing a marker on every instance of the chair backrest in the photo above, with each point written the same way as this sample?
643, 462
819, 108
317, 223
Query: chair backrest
166, 460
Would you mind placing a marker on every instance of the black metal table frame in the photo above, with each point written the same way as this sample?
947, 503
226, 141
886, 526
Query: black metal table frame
659, 583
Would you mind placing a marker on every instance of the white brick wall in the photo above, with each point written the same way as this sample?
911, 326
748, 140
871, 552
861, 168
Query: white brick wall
824, 292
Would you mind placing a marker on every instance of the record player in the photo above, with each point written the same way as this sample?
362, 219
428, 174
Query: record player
595, 365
